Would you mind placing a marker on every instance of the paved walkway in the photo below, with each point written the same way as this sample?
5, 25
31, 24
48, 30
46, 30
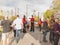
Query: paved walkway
30, 38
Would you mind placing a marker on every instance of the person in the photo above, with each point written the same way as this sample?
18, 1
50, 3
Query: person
14, 30
32, 23
17, 25
5, 23
24, 24
40, 24
51, 36
56, 31
45, 30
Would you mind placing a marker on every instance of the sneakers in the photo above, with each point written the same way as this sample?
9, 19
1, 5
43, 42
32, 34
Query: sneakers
45, 41
51, 42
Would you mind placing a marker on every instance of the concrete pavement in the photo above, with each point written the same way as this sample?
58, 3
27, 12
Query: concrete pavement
30, 38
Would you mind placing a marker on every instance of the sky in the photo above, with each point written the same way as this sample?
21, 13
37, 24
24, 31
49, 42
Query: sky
38, 5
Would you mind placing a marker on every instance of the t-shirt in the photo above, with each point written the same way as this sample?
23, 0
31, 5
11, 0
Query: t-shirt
17, 22
6, 26
32, 20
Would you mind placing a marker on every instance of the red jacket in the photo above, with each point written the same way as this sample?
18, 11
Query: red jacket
24, 20
31, 19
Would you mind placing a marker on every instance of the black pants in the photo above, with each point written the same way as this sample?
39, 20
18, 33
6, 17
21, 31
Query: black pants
24, 29
32, 26
40, 27
14, 33
51, 36
56, 38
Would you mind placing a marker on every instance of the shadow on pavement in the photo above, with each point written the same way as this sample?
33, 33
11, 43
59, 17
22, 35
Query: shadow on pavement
11, 41
38, 36
32, 44
21, 36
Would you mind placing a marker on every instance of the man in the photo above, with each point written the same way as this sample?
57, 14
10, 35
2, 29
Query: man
45, 27
17, 24
5, 23
40, 24
56, 31
32, 23
51, 36
24, 24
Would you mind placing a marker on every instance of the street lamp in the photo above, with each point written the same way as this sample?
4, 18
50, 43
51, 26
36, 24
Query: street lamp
27, 9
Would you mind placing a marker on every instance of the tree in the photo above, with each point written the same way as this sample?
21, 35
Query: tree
1, 29
1, 17
56, 5
48, 14
36, 18
13, 18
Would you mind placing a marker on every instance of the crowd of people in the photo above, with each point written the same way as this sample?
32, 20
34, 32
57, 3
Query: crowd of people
20, 25
52, 26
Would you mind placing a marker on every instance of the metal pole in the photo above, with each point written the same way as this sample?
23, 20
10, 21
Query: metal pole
11, 12
1, 12
15, 11
38, 15
26, 10
18, 11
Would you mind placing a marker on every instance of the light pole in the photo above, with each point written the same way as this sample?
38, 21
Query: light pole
15, 11
38, 15
34, 12
1, 12
8, 14
12, 12
18, 11
27, 10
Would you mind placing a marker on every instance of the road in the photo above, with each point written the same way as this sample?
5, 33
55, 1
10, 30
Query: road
30, 38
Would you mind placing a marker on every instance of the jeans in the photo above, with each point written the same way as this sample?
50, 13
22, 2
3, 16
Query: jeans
21, 34
56, 38
51, 36
44, 35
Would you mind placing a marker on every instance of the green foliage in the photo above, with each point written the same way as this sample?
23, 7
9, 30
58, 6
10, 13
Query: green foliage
48, 14
13, 18
1, 17
36, 18
0, 29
